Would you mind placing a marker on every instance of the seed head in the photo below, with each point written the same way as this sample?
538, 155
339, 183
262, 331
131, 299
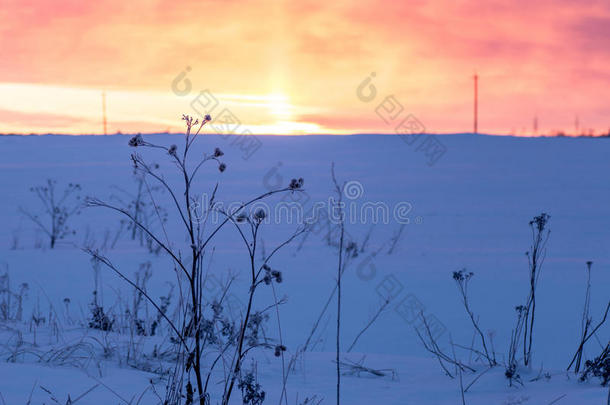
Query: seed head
279, 349
462, 275
540, 221
136, 141
260, 214
277, 275
296, 184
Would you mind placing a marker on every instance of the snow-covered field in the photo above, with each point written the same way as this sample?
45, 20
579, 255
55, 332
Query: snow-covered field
470, 210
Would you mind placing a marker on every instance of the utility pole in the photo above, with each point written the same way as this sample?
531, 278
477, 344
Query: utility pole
476, 103
104, 112
535, 125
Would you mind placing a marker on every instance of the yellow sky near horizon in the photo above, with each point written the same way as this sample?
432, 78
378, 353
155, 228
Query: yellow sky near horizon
283, 67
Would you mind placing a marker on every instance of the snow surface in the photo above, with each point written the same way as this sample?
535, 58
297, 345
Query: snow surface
469, 210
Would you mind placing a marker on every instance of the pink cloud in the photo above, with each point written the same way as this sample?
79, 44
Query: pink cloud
544, 56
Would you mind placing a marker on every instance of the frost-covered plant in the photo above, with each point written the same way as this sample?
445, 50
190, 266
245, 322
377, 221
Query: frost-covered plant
146, 324
251, 391
11, 302
462, 278
523, 331
512, 375
192, 329
515, 338
598, 367
535, 257
430, 342
99, 319
57, 208
314, 400
587, 328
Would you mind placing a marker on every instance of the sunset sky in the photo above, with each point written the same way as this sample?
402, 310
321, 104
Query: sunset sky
293, 67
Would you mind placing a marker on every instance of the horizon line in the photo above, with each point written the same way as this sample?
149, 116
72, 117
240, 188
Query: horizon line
119, 133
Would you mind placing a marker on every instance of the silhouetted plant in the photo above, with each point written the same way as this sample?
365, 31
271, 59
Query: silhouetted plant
598, 367
339, 207
57, 208
535, 256
99, 319
511, 374
11, 301
515, 339
462, 279
587, 330
586, 318
251, 391
430, 343
192, 335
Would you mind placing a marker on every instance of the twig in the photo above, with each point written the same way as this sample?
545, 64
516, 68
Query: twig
85, 393
368, 325
431, 346
134, 285
279, 328
357, 368
31, 393
459, 372
586, 318
477, 378
582, 343
109, 389
339, 273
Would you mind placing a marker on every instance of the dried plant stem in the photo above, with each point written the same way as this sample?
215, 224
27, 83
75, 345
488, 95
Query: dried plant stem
586, 338
339, 191
536, 257
190, 265
368, 325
